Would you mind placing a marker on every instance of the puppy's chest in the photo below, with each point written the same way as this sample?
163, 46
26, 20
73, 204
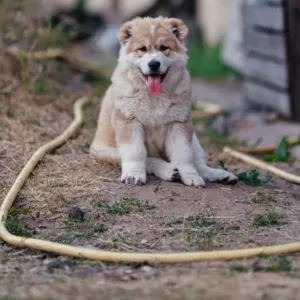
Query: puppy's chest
155, 111
155, 141
153, 114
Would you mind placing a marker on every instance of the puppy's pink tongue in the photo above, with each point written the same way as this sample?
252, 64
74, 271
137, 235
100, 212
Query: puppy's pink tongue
154, 84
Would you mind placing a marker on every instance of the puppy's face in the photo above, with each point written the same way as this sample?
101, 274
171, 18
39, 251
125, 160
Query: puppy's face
155, 48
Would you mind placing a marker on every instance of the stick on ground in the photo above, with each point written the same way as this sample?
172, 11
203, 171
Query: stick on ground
249, 160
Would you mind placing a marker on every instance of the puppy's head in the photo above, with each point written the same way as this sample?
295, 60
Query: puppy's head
155, 48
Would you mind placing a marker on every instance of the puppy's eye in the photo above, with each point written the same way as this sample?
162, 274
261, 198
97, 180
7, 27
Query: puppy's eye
163, 48
143, 49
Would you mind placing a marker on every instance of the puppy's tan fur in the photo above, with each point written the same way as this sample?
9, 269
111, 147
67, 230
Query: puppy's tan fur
152, 134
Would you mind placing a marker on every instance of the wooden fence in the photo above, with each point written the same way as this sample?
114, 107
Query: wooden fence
272, 50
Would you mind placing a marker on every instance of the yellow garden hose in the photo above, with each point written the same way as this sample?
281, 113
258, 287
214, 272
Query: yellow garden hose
108, 255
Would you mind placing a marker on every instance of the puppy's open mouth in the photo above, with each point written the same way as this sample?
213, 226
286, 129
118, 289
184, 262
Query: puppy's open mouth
154, 82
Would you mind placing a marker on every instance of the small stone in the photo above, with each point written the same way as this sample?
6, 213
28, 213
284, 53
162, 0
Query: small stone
134, 276
60, 264
37, 269
146, 269
144, 242
75, 213
156, 189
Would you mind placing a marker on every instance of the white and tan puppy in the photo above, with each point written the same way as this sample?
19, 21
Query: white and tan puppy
145, 118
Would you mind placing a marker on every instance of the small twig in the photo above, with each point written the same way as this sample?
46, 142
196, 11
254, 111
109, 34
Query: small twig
10, 87
262, 165
179, 229
267, 149
123, 245
55, 54
197, 114
206, 110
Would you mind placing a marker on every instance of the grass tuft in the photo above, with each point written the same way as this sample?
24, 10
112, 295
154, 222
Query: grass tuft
125, 205
251, 177
269, 219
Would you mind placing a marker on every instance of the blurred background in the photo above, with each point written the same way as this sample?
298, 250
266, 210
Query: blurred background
209, 22
242, 53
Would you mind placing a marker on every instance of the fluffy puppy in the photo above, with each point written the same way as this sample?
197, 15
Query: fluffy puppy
145, 118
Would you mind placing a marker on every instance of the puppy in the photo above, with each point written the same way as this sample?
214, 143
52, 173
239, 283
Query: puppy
145, 118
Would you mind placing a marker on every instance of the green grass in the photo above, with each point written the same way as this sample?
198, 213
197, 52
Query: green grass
198, 230
100, 228
281, 153
205, 61
14, 226
215, 140
125, 205
40, 86
53, 38
203, 222
4, 259
9, 297
22, 211
266, 264
74, 221
262, 197
252, 177
271, 218
173, 222
35, 121
81, 229
70, 236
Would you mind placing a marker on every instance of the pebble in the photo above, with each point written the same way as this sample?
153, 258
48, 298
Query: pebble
60, 264
75, 213
146, 269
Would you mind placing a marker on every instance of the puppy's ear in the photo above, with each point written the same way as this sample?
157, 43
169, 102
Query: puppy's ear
125, 33
179, 29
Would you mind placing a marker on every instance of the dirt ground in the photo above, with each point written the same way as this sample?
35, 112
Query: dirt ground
157, 217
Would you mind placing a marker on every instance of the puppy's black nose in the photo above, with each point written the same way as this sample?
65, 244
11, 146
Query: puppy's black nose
154, 65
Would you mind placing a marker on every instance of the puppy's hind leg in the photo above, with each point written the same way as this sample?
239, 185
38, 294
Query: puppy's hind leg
207, 173
162, 169
105, 153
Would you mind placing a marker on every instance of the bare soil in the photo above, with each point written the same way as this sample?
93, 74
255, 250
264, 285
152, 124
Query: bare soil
159, 216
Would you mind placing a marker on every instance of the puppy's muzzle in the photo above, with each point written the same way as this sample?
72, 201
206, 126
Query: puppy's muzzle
154, 65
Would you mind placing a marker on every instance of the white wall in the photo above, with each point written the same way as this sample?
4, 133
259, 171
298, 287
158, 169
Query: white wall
213, 18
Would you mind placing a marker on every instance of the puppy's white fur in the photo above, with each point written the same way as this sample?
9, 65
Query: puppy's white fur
152, 134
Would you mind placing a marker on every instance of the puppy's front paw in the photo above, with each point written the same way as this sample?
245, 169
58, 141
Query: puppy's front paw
189, 176
134, 178
218, 175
